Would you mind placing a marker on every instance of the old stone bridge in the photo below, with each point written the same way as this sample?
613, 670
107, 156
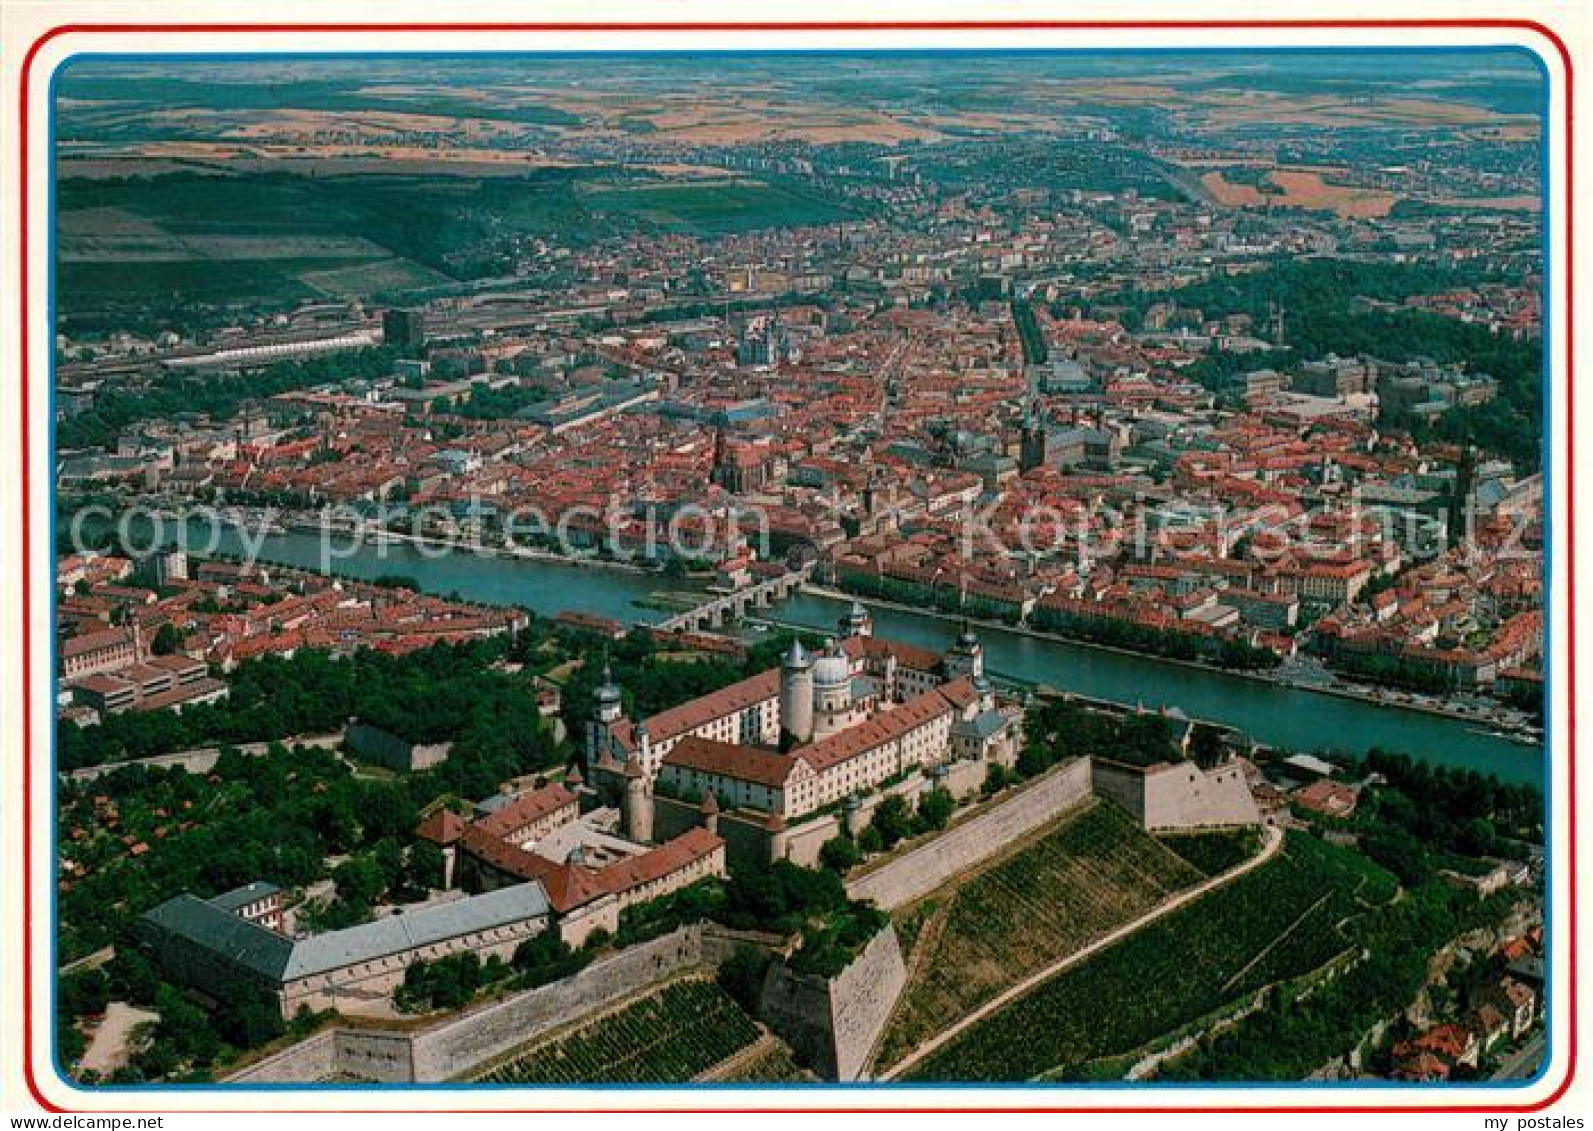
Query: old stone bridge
725, 607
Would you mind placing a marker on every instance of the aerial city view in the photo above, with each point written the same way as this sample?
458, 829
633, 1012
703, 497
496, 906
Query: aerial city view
786, 569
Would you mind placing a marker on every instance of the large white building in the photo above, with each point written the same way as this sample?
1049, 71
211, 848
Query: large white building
817, 729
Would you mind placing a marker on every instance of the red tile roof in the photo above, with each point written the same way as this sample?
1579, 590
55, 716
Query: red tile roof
886, 726
570, 885
726, 701
907, 655
94, 641
665, 860
730, 760
526, 809
442, 827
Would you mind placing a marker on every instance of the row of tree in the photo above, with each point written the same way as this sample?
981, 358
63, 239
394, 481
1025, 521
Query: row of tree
447, 691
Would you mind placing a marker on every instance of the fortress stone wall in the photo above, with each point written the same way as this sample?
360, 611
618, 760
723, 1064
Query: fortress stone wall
1178, 795
834, 1024
383, 748
386, 1057
748, 843
465, 1044
921, 871
313, 1058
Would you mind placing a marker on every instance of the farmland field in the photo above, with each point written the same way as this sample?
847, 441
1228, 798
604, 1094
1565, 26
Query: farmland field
716, 207
1280, 921
772, 1064
1296, 188
1213, 852
1088, 875
667, 1037
163, 244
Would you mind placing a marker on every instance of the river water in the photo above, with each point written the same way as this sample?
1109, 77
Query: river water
1281, 716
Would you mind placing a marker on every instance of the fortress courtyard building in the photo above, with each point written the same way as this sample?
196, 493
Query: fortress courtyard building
818, 733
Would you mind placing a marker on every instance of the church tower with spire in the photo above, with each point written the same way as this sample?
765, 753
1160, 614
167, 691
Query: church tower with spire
720, 472
1031, 439
606, 718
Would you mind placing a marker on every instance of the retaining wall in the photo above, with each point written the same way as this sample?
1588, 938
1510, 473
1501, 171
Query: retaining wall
921, 871
461, 1046
373, 744
835, 1023
1179, 795
464, 1044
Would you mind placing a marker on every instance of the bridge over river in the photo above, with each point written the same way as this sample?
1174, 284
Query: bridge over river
733, 606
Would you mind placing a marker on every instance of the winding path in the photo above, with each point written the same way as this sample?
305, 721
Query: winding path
1269, 849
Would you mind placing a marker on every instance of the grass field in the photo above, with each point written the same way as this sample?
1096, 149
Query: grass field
1091, 873
168, 243
667, 1037
1279, 921
84, 285
389, 275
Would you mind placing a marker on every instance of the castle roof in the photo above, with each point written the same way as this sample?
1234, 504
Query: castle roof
832, 669
608, 691
887, 726
241, 897
715, 705
442, 827
278, 958
730, 760
982, 726
907, 655
527, 808
571, 885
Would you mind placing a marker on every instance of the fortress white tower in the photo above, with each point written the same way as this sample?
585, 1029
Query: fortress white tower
796, 695
832, 692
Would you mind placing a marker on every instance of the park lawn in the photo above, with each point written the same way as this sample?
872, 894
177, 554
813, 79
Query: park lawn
1282, 920
1091, 873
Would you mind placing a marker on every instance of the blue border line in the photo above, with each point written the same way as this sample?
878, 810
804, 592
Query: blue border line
1549, 435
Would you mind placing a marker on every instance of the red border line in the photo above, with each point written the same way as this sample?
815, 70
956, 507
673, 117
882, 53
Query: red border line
1533, 26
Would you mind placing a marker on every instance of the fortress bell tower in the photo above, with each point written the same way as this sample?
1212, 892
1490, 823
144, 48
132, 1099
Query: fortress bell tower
609, 713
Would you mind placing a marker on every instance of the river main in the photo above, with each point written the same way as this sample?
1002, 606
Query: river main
1280, 716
